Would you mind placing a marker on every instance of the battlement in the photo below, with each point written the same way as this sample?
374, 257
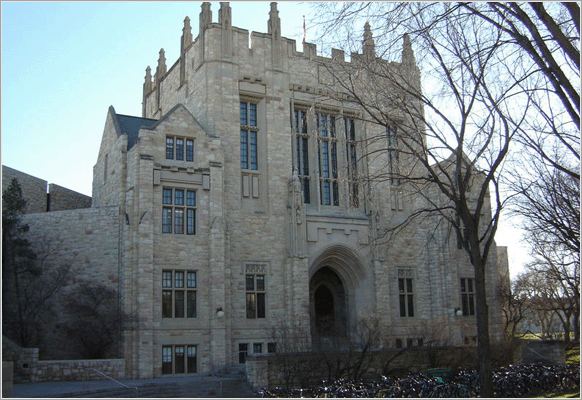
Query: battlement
220, 41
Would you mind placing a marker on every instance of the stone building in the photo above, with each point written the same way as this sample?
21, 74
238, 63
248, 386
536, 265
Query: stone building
242, 202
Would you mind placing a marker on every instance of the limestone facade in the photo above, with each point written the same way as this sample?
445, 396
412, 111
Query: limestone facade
240, 200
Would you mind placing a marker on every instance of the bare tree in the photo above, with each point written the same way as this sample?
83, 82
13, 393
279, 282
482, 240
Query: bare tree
453, 135
93, 320
294, 363
550, 209
30, 279
515, 304
548, 34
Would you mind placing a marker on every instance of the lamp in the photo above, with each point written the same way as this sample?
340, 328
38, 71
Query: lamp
458, 312
219, 313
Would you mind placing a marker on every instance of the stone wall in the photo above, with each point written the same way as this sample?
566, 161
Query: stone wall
25, 363
543, 351
33, 189
85, 238
61, 198
87, 241
78, 370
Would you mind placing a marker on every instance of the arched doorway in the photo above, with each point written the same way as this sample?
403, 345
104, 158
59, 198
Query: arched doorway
329, 315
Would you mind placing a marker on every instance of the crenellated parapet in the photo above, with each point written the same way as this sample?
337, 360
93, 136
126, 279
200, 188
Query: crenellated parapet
220, 41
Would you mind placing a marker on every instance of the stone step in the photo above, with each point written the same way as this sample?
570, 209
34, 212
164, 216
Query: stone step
218, 388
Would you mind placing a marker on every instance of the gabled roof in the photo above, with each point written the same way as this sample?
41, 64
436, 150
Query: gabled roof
131, 125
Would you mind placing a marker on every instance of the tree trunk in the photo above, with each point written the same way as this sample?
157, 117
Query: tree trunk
483, 345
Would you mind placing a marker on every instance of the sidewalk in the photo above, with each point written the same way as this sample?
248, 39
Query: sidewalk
54, 389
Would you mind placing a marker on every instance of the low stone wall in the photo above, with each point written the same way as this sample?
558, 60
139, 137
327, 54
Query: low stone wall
25, 364
78, 370
543, 351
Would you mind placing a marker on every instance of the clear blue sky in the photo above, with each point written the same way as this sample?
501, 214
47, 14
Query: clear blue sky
65, 63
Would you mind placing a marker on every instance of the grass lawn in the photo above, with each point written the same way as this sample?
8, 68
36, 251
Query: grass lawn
560, 395
572, 357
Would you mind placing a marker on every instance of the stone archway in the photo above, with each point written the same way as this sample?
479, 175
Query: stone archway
340, 286
329, 304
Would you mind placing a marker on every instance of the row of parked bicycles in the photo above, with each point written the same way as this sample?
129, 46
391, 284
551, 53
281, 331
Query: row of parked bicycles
510, 381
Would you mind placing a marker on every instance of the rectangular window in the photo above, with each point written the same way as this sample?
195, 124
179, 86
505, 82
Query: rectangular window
179, 301
179, 220
468, 296
406, 297
179, 197
271, 347
302, 153
167, 197
179, 359
243, 349
244, 149
257, 348
189, 150
166, 220
179, 304
173, 218
169, 148
177, 146
167, 304
191, 358
167, 360
179, 351
255, 296
248, 136
327, 157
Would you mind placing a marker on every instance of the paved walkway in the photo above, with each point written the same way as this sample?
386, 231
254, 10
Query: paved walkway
54, 389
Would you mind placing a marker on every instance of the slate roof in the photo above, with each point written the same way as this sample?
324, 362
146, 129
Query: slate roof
130, 126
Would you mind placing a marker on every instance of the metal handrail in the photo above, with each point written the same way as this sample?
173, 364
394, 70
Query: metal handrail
116, 381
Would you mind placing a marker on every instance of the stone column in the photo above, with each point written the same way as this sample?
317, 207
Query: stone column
225, 21
218, 270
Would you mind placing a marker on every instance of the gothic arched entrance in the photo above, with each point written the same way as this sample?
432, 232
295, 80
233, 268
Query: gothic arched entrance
329, 315
340, 286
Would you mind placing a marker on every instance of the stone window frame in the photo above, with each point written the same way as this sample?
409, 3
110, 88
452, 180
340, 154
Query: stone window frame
306, 129
467, 291
251, 156
172, 284
258, 348
302, 139
256, 288
183, 153
327, 157
406, 292
170, 356
174, 205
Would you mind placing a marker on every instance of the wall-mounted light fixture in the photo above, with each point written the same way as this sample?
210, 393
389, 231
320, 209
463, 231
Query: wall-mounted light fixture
458, 312
219, 313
